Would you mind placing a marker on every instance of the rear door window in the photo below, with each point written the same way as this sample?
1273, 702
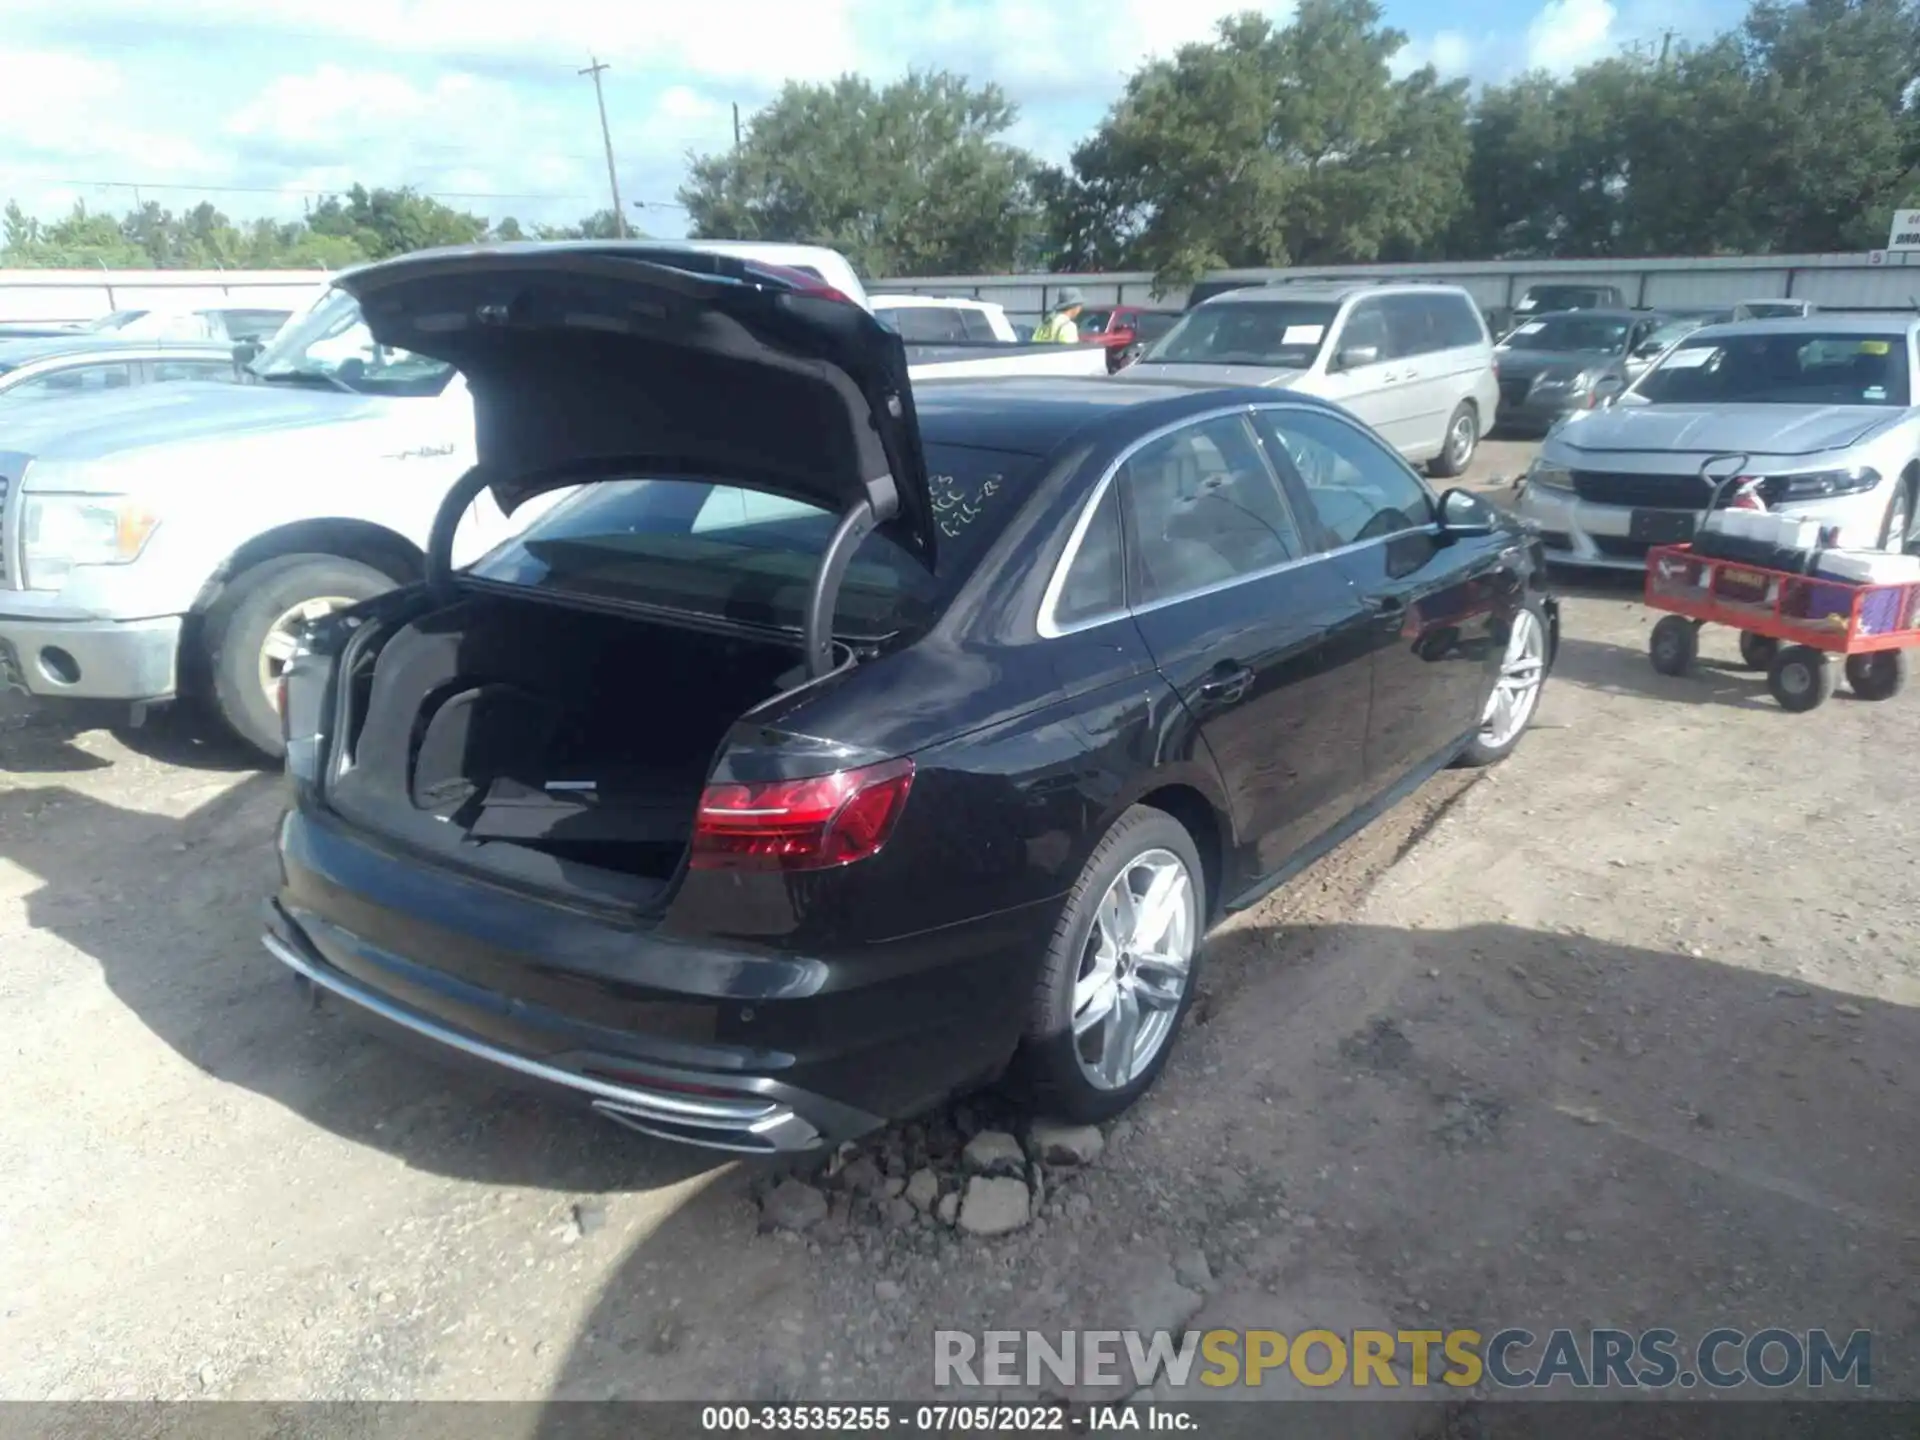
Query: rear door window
927, 324
976, 325
1455, 321
1205, 510
74, 382
1410, 323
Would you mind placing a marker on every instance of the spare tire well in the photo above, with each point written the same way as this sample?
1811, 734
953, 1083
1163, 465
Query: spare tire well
385, 550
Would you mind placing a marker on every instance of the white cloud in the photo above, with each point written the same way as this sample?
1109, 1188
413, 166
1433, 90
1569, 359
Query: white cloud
1449, 52
1567, 34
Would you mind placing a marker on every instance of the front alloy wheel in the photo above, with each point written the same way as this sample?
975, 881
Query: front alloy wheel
1516, 691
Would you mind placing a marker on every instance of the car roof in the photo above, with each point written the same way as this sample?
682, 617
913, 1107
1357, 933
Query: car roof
1325, 292
1892, 322
1033, 414
1598, 314
81, 344
918, 302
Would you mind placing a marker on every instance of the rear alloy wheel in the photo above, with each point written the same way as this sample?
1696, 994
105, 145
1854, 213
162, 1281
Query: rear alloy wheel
1801, 678
255, 627
1119, 975
1463, 438
1878, 676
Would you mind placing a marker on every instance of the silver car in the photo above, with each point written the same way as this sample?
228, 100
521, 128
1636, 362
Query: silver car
1414, 361
1818, 413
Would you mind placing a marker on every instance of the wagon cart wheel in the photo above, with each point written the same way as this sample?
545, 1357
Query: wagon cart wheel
1757, 651
1800, 677
1673, 645
1878, 676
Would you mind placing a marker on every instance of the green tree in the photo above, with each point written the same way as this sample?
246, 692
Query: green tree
1834, 143
392, 222
1271, 146
915, 178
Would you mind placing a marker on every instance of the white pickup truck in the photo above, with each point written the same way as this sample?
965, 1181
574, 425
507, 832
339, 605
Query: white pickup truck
174, 539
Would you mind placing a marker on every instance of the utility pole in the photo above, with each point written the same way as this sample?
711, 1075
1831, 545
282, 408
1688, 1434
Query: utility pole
736, 124
606, 135
1666, 42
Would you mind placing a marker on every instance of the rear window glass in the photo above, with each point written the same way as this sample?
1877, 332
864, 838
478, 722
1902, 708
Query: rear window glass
730, 553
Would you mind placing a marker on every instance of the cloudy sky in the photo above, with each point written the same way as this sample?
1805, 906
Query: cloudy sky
260, 104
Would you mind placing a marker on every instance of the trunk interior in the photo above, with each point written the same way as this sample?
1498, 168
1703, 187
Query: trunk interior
557, 746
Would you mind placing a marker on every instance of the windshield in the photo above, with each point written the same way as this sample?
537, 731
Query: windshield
330, 346
725, 552
1094, 322
1560, 297
1587, 334
1286, 335
1661, 336
1791, 368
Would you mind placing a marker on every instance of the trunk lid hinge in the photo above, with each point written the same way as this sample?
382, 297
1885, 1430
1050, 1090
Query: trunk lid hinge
879, 505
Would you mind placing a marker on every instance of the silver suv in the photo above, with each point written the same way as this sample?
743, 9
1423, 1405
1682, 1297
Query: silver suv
1414, 361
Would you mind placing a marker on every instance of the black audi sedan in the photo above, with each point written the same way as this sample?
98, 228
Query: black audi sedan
834, 745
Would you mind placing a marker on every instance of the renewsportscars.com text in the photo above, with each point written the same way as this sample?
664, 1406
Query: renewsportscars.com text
1510, 1359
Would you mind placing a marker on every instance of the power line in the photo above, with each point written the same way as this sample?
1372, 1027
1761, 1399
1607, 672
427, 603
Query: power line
292, 194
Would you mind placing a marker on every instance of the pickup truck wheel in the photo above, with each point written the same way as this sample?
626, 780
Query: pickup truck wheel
1119, 974
252, 629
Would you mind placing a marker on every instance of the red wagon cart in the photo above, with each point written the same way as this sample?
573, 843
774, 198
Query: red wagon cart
1791, 625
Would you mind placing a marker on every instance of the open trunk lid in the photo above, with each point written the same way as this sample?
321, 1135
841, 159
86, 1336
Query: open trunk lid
607, 361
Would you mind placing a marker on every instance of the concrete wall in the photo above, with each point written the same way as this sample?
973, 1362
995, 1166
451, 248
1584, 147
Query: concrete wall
1834, 281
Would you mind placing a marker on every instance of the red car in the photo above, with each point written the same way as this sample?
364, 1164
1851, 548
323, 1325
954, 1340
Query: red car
1119, 326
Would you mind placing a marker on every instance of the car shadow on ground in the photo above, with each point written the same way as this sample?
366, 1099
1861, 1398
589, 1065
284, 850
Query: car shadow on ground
170, 910
1485, 1126
39, 739
1618, 670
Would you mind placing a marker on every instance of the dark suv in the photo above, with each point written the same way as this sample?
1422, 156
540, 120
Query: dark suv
836, 746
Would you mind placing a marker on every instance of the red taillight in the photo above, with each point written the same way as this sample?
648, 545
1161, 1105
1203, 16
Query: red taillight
801, 280
811, 824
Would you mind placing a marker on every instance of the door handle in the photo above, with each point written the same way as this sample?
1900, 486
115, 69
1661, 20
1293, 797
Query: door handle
1226, 684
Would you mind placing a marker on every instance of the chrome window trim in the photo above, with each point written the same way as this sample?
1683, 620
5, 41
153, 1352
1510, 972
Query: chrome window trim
1051, 629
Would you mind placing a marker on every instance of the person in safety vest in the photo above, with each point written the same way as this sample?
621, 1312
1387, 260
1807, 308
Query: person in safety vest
1058, 328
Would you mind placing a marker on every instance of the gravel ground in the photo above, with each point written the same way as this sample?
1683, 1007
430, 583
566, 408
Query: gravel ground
1624, 1032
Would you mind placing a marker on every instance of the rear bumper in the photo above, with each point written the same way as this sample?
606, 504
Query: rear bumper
728, 1046
90, 659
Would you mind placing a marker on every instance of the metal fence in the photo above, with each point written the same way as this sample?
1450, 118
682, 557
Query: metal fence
59, 297
1876, 281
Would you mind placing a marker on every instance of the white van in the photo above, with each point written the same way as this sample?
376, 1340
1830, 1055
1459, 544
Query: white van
1414, 361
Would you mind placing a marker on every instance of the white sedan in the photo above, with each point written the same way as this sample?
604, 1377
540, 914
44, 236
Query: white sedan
1818, 413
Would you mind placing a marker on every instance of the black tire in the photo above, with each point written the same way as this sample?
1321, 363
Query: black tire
238, 623
1674, 645
1757, 651
1457, 449
1480, 751
1801, 678
1878, 676
1048, 1070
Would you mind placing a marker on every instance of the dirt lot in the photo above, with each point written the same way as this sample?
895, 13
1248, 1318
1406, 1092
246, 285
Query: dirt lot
1623, 1033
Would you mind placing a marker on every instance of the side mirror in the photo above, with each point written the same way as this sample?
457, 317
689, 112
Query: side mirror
1464, 513
1352, 357
244, 351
